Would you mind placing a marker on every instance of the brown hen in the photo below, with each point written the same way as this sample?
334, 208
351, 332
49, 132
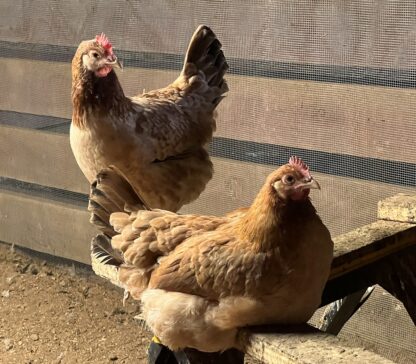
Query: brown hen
157, 138
200, 278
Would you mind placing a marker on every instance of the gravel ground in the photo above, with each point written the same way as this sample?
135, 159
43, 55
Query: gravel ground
63, 314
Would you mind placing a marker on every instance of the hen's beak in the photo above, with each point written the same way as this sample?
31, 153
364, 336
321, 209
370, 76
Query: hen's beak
310, 184
113, 61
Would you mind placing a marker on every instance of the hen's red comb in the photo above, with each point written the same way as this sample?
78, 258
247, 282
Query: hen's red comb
104, 42
301, 166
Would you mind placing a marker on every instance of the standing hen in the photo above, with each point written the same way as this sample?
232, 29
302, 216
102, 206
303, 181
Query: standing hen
200, 278
157, 138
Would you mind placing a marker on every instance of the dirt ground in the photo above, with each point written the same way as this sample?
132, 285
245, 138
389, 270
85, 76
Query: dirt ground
63, 314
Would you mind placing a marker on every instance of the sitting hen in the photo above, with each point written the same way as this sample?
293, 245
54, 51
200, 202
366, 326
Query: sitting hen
200, 278
156, 137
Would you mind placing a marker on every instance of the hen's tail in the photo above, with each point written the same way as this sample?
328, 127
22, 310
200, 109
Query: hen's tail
204, 56
112, 192
105, 260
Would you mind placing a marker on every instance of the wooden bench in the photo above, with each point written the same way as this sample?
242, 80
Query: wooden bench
379, 253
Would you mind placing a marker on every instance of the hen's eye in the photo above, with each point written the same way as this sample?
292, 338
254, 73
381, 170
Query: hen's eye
95, 55
288, 179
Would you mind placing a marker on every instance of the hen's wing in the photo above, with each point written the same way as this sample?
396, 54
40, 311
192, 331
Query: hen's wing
216, 265
176, 119
145, 236
200, 255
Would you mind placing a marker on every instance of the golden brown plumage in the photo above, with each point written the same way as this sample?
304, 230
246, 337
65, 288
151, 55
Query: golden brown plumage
200, 278
153, 138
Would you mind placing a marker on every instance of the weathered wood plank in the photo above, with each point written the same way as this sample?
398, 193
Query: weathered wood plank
339, 312
300, 344
378, 33
49, 226
356, 120
303, 345
400, 207
370, 243
39, 157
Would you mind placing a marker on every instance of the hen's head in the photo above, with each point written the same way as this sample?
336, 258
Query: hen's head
292, 181
97, 56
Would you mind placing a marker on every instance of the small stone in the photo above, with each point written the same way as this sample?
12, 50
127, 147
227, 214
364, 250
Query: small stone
8, 343
34, 337
62, 283
118, 311
85, 291
34, 270
10, 280
5, 294
113, 357
23, 269
72, 271
58, 360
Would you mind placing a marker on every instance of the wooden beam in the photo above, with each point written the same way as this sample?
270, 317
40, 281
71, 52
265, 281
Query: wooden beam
401, 207
302, 345
41, 158
294, 344
339, 312
50, 226
369, 243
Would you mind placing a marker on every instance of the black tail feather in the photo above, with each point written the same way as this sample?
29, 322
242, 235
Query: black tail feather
103, 251
112, 192
205, 53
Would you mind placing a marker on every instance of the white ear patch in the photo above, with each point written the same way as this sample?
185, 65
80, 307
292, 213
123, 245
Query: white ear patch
86, 61
276, 185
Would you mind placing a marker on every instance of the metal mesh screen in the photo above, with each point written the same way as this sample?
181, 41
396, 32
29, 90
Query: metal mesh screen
330, 81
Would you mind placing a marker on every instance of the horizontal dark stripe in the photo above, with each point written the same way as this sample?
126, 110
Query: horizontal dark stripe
258, 68
80, 268
345, 165
32, 121
51, 193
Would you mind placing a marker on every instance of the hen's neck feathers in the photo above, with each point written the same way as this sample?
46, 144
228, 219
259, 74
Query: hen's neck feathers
98, 94
265, 222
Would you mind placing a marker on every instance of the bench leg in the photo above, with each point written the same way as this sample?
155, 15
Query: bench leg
400, 281
339, 312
